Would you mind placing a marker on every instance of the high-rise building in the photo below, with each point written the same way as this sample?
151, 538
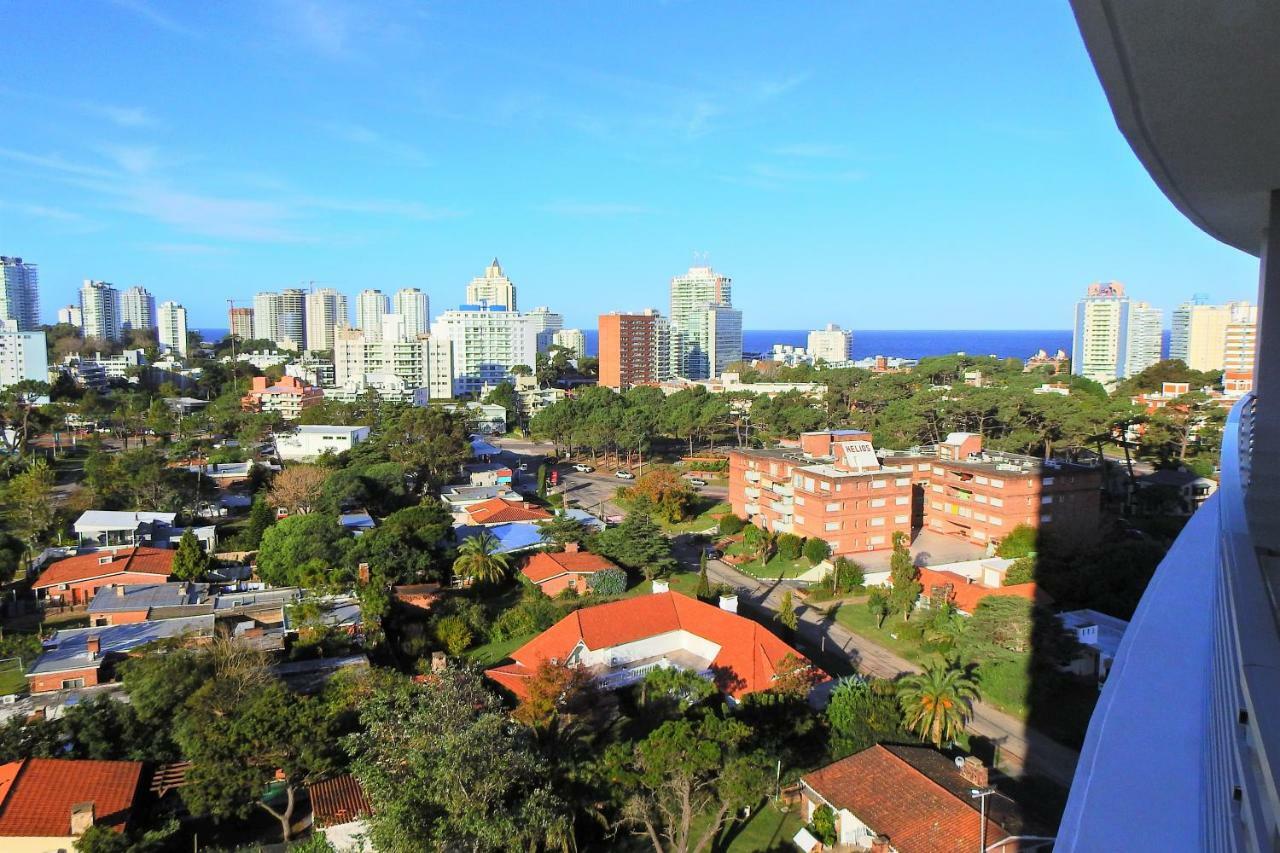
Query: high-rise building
1199, 333
266, 317
1114, 338
493, 289
100, 310
632, 349
412, 304
571, 339
1240, 350
137, 310
293, 319
371, 306
71, 316
487, 343
545, 324
706, 331
240, 321
23, 357
19, 293
326, 313
423, 361
832, 345
172, 320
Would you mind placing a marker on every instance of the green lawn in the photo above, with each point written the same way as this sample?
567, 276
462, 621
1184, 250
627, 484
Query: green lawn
12, 681
682, 582
496, 651
775, 568
767, 830
900, 637
708, 516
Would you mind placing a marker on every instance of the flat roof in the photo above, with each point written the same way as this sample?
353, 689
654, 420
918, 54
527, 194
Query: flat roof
68, 650
322, 429
114, 599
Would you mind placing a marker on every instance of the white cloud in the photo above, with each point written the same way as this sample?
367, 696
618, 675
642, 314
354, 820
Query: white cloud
153, 16
817, 150
366, 137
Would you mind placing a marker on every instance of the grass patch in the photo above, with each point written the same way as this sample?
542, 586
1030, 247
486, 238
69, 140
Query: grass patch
12, 680
902, 638
769, 828
685, 583
775, 568
497, 651
708, 512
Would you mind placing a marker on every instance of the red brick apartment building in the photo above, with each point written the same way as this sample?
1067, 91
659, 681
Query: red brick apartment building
628, 350
838, 488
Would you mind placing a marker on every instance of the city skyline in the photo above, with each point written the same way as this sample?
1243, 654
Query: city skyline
829, 172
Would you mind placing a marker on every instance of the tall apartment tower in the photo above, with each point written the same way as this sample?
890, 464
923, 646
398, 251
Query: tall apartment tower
493, 289
571, 339
634, 349
137, 309
1240, 356
266, 317
172, 323
326, 313
545, 324
1199, 332
832, 344
293, 318
240, 321
412, 304
22, 355
19, 293
486, 344
100, 310
706, 331
1113, 337
371, 306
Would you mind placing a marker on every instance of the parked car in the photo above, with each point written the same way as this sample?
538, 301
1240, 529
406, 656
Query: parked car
584, 469
624, 475
524, 466
697, 481
713, 553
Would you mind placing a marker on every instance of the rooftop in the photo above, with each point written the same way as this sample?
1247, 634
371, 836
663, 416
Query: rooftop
546, 565
129, 597
338, 800
68, 650
37, 795
97, 564
329, 429
500, 511
106, 519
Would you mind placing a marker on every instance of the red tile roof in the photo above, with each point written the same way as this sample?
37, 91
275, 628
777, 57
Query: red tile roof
546, 565
139, 559
914, 795
499, 511
966, 594
338, 800
38, 800
746, 663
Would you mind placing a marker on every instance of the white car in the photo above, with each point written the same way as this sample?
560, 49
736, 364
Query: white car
696, 481
624, 475
583, 469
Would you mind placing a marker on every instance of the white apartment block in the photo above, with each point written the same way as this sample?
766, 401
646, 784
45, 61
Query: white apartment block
570, 339
424, 362
414, 306
545, 324
266, 317
172, 324
326, 313
137, 309
710, 340
1114, 338
493, 289
1146, 337
371, 307
486, 343
71, 316
310, 442
22, 355
100, 310
19, 293
832, 345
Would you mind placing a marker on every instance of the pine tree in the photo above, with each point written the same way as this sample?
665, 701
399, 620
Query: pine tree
704, 585
787, 612
190, 562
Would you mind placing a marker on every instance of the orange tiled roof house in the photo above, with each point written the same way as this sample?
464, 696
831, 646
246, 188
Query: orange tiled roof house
622, 641
572, 568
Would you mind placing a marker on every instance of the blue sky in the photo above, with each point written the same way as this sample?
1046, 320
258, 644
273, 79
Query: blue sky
878, 165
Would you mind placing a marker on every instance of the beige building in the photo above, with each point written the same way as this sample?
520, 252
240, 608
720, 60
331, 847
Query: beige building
326, 313
492, 289
1199, 335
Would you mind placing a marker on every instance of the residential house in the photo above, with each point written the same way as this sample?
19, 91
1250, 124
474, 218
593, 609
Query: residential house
965, 593
124, 604
502, 511
1098, 636
287, 397
906, 799
512, 538
553, 572
459, 498
48, 803
1170, 491
83, 657
310, 441
622, 641
489, 474
101, 528
75, 580
339, 809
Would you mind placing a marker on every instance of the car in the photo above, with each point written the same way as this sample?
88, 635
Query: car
624, 475
697, 481
524, 466
713, 553
583, 469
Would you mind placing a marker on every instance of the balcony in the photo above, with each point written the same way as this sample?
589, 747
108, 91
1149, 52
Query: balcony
1191, 700
751, 493
626, 676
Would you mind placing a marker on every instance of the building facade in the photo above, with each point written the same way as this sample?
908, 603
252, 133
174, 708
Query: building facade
571, 339
629, 349
100, 310
326, 313
492, 289
1113, 338
137, 310
545, 324
486, 342
1240, 345
371, 305
172, 320
287, 398
706, 331
414, 306
832, 345
23, 357
19, 293
421, 362
71, 316
1199, 334
240, 322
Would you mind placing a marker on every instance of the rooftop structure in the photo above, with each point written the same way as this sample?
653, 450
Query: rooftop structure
553, 572
52, 801
75, 656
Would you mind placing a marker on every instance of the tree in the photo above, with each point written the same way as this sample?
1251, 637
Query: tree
190, 561
296, 488
444, 769
563, 529
609, 582
878, 604
29, 507
730, 524
904, 575
555, 688
159, 683
669, 496
816, 550
681, 687
480, 559
261, 516
861, 713
1021, 570
305, 550
412, 545
453, 633
240, 743
430, 442
846, 575
637, 544
703, 593
938, 702
1020, 542
789, 546
1003, 621
787, 615
685, 772
504, 394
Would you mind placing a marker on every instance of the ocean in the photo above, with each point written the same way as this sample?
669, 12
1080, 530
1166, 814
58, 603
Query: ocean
902, 343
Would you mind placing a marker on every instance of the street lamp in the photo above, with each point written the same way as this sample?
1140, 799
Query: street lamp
981, 794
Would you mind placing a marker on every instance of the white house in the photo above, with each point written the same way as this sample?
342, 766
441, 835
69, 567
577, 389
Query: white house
310, 441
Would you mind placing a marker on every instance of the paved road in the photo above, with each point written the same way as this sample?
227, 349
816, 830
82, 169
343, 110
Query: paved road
1014, 739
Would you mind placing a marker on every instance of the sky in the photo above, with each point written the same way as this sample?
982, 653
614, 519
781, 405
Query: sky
878, 165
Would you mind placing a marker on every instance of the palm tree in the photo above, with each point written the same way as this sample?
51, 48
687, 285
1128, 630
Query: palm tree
938, 702
480, 559
945, 627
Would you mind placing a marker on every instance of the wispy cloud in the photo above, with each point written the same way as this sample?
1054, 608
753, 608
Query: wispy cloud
129, 117
366, 137
810, 150
186, 249
134, 159
766, 176
42, 211
594, 209
153, 16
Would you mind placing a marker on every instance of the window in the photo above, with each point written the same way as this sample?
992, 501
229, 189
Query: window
876, 503
902, 481
878, 521
826, 487
808, 483
965, 512
999, 484
936, 488
979, 516
831, 525
936, 505
901, 519
997, 502
980, 498
1048, 481
573, 583
902, 500
978, 534
1046, 518
799, 519
937, 471
70, 683
1046, 499
981, 481
997, 521
879, 484
923, 466
875, 540
799, 500
834, 506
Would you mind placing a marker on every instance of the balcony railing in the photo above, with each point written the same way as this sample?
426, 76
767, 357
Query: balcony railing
1183, 750
625, 677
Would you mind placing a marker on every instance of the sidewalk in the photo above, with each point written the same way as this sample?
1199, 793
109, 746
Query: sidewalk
1053, 760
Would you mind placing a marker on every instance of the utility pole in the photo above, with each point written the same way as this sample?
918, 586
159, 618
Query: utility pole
981, 794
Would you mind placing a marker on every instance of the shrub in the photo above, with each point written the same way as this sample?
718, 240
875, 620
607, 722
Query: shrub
534, 613
452, 633
1022, 570
731, 525
789, 546
1020, 542
824, 825
816, 550
847, 575
609, 582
